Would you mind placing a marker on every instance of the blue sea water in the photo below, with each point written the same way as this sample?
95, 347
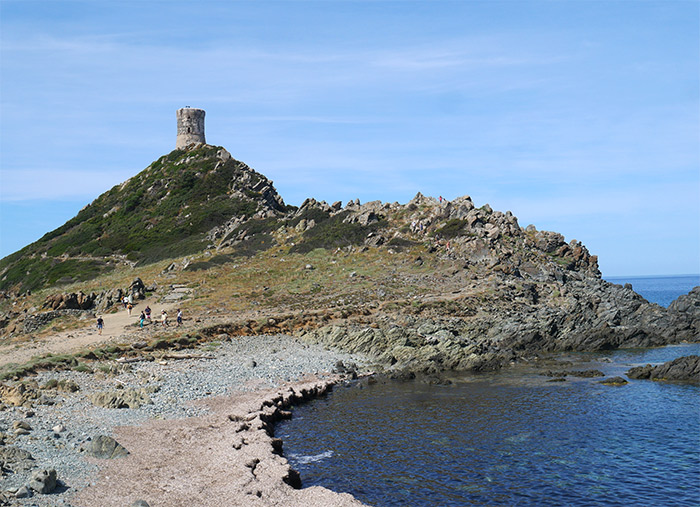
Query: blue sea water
508, 438
661, 290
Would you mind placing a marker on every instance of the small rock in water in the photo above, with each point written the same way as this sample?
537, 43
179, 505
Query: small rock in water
613, 381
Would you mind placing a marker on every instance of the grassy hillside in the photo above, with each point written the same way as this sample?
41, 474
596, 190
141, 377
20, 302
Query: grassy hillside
164, 211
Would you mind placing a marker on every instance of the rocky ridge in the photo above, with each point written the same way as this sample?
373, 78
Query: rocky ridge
496, 292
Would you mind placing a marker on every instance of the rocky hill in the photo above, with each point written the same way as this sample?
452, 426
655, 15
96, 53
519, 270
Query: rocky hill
165, 211
429, 285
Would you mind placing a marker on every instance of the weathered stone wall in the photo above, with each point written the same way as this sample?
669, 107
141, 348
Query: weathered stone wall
35, 322
190, 127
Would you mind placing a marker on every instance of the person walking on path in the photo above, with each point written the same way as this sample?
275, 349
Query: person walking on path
100, 324
179, 317
148, 312
164, 318
129, 307
142, 318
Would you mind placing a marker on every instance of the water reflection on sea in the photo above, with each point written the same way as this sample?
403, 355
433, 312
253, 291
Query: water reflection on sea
507, 438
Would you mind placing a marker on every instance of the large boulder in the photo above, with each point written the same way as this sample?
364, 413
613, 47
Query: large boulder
104, 447
137, 289
43, 481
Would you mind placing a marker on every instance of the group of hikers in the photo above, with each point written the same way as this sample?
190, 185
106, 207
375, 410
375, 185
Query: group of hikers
144, 317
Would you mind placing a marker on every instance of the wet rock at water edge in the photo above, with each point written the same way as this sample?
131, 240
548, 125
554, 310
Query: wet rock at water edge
684, 369
613, 381
574, 373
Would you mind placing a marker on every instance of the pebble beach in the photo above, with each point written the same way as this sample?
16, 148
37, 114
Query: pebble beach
61, 424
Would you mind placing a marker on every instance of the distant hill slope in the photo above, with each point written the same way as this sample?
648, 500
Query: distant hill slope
164, 211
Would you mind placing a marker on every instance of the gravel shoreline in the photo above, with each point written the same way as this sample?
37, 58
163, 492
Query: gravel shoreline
62, 422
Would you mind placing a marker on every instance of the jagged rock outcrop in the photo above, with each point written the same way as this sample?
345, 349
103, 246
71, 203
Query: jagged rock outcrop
686, 309
71, 301
519, 291
511, 325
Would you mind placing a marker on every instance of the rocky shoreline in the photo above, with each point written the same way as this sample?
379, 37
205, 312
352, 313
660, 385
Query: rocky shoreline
143, 425
504, 327
233, 393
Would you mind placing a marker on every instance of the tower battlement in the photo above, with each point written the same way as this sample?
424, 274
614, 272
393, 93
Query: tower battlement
190, 127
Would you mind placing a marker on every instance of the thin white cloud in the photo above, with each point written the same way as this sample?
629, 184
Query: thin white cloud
33, 184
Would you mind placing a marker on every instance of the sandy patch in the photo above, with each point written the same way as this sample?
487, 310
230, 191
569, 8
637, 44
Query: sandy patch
225, 458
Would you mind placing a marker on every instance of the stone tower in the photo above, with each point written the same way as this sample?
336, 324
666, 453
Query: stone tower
190, 127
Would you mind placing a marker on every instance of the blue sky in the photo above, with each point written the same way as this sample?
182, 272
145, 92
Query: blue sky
581, 117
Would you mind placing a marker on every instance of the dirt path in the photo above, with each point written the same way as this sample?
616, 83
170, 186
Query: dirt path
116, 325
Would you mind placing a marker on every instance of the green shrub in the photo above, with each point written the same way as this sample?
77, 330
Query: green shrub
401, 243
334, 233
452, 228
257, 243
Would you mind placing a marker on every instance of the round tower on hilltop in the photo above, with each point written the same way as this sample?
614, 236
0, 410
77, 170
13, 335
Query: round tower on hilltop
190, 127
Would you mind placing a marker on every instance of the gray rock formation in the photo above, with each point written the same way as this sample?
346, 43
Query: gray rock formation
513, 324
127, 398
70, 301
43, 481
686, 369
16, 459
104, 447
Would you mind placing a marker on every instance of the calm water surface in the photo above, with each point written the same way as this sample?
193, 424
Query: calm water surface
509, 438
661, 290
